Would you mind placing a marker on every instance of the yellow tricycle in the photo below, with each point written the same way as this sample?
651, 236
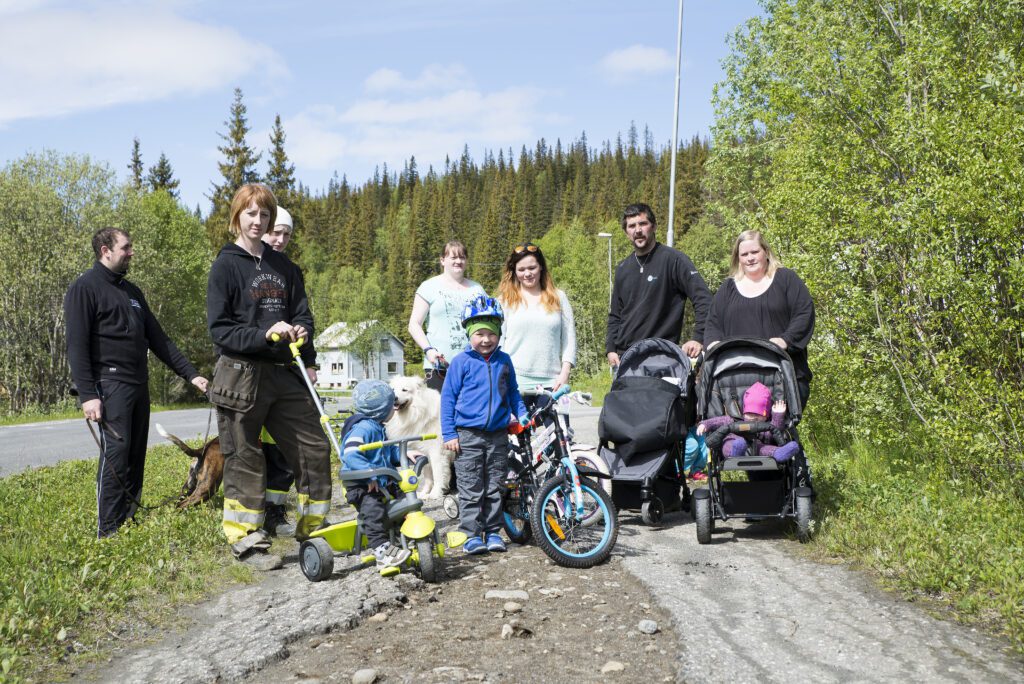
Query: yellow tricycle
408, 527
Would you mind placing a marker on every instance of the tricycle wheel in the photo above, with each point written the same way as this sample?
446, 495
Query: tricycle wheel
427, 560
652, 511
316, 558
450, 506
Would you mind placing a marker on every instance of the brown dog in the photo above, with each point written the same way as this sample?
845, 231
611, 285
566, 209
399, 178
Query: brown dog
205, 473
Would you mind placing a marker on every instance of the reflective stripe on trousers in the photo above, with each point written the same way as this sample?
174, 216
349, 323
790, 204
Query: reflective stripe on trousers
277, 497
240, 521
311, 514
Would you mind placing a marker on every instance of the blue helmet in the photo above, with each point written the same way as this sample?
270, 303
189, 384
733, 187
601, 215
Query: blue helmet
482, 307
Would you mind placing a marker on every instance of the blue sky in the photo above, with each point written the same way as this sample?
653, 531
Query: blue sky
357, 84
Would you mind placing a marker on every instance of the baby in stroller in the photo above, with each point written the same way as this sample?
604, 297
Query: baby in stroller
755, 409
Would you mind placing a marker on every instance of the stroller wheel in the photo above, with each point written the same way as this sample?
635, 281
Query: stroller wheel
450, 506
803, 517
652, 511
702, 514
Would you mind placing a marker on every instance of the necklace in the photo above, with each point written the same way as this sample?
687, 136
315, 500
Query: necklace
646, 259
257, 259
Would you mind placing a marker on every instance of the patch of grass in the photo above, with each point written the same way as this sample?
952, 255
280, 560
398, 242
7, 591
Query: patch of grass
598, 385
924, 532
63, 592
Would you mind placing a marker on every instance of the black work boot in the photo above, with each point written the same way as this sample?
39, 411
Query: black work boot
276, 522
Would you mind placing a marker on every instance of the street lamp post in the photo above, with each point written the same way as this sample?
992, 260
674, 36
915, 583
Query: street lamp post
608, 236
670, 234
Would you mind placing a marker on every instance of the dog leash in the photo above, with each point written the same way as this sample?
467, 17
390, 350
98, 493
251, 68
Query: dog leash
105, 427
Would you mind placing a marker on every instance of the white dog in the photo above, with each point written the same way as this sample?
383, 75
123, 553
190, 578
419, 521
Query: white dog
418, 412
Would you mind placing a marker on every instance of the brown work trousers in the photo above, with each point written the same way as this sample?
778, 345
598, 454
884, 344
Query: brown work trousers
250, 395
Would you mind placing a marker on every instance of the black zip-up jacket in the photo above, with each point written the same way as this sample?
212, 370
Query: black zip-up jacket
650, 303
245, 296
109, 330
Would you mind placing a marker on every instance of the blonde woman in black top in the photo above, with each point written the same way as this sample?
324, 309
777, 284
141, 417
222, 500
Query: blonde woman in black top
761, 299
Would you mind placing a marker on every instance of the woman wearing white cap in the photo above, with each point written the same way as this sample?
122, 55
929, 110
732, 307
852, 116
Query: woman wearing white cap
279, 235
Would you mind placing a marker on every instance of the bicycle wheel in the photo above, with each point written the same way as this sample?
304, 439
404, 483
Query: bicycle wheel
515, 504
566, 539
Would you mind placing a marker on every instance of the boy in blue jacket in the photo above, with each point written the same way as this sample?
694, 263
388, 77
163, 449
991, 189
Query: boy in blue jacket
374, 402
479, 397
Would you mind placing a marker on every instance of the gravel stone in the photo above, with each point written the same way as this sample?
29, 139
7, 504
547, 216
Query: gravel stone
367, 676
648, 626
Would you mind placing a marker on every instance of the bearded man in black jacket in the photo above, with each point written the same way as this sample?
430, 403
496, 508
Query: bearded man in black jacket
651, 288
110, 330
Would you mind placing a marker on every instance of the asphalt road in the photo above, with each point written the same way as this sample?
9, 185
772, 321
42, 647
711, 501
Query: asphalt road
37, 444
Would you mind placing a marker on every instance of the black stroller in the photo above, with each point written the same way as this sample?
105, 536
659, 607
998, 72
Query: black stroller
770, 489
643, 428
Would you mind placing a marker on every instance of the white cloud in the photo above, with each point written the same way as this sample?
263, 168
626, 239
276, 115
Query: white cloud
636, 60
380, 130
55, 62
433, 77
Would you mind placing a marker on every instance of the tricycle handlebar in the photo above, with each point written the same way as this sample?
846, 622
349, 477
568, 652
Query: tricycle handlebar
370, 446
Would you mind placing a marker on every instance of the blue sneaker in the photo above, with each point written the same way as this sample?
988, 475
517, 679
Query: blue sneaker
474, 546
495, 543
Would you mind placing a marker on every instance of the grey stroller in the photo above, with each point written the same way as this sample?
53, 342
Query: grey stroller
643, 428
770, 489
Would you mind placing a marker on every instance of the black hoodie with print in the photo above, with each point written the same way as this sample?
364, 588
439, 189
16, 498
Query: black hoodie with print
246, 296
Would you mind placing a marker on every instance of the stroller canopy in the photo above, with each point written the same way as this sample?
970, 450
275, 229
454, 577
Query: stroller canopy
737, 363
654, 358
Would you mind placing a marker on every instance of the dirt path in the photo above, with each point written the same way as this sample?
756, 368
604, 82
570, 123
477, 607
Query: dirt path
746, 608
557, 623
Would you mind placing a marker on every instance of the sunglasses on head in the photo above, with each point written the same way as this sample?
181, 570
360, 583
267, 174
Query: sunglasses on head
526, 247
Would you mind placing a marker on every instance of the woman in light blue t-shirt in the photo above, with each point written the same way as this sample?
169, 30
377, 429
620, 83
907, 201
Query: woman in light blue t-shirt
539, 331
438, 303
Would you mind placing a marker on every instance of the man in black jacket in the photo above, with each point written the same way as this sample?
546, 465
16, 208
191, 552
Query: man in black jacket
651, 288
110, 330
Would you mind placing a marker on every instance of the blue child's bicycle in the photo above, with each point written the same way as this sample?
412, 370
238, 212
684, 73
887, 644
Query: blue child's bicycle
549, 497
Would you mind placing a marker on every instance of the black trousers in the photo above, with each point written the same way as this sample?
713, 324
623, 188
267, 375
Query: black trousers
123, 438
373, 510
279, 474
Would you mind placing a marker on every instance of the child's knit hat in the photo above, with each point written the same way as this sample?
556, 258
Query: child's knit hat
374, 399
756, 399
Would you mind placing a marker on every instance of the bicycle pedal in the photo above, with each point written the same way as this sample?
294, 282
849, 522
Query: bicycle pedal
390, 571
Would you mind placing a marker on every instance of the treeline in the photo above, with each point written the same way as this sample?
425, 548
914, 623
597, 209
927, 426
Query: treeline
364, 249
382, 239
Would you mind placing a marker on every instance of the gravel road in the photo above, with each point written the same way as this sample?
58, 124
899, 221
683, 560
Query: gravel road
747, 608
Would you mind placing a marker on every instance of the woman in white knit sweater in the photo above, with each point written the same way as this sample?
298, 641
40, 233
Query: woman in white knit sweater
539, 332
